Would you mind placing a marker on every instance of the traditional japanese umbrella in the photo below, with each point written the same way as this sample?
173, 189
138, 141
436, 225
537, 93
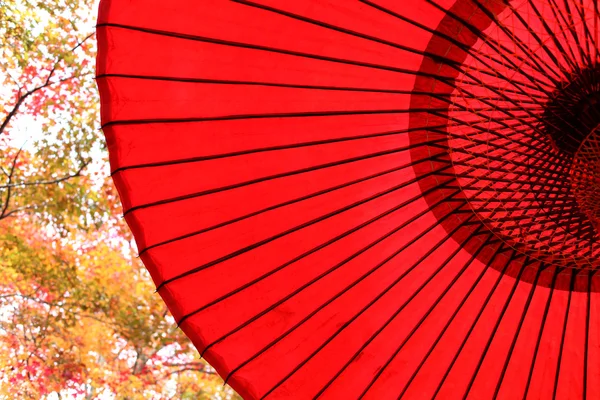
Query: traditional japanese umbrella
366, 198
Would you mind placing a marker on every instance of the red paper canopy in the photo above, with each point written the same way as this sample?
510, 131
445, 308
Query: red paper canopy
366, 199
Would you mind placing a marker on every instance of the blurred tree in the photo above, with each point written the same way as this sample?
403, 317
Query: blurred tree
82, 319
78, 313
46, 73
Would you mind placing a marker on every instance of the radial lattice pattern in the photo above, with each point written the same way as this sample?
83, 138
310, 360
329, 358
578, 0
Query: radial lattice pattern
585, 177
521, 105
376, 199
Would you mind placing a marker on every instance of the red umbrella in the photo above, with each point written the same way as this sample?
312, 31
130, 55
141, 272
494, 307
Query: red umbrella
366, 198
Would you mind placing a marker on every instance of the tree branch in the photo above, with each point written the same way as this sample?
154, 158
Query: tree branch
25, 208
48, 182
47, 83
179, 371
10, 178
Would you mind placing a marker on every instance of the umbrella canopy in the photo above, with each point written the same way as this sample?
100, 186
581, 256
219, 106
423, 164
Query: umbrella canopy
366, 198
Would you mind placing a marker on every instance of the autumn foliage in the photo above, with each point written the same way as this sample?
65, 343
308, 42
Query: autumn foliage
78, 314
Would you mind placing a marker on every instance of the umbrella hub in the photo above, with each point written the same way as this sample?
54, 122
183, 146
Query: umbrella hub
535, 183
572, 122
520, 136
573, 111
585, 177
